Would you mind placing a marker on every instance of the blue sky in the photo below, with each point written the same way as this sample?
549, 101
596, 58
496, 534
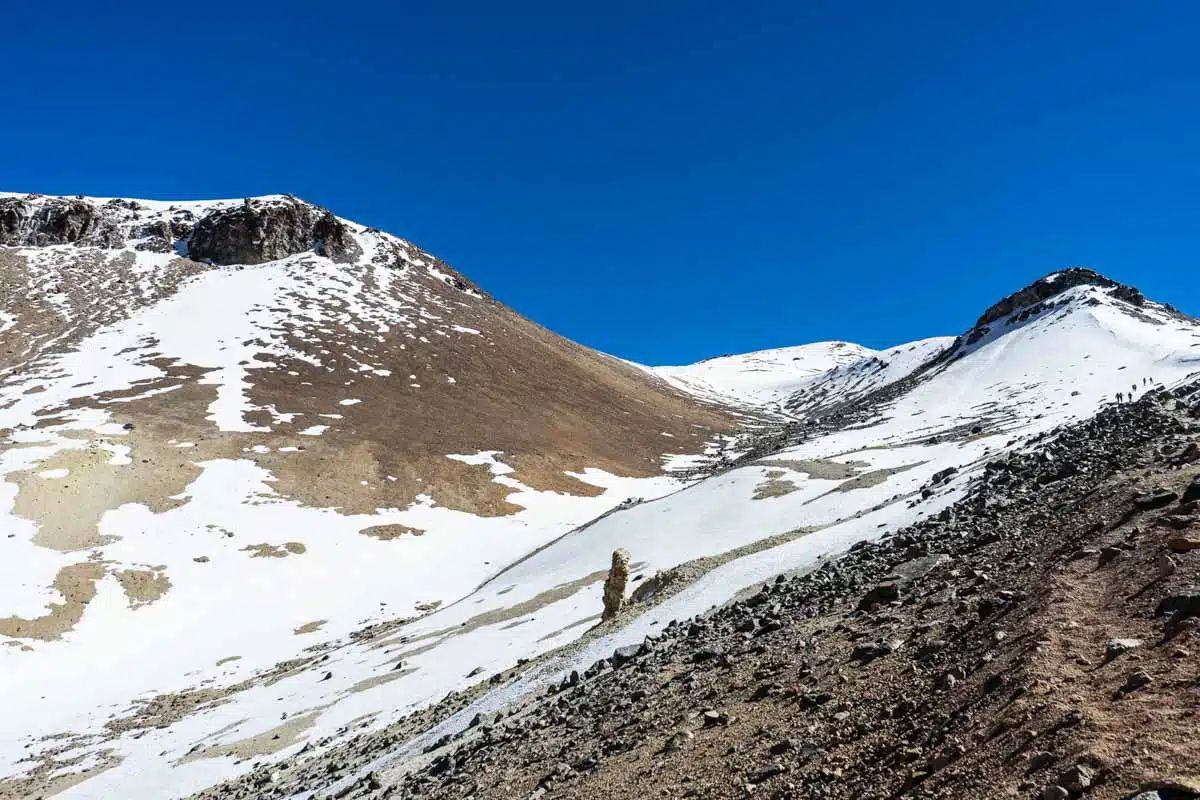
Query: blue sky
661, 180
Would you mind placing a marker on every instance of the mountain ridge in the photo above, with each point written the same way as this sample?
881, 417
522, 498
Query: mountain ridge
248, 231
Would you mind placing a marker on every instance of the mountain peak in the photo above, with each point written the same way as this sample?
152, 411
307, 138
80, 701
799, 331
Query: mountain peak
1053, 285
1041, 295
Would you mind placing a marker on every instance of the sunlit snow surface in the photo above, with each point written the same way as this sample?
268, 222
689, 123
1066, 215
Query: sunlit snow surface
763, 379
502, 597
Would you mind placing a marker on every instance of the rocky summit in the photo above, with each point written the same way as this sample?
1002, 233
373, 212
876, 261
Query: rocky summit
254, 231
294, 509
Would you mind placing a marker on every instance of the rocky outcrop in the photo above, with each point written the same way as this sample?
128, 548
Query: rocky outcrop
160, 235
56, 221
1038, 297
1053, 285
614, 584
332, 239
254, 232
259, 231
13, 213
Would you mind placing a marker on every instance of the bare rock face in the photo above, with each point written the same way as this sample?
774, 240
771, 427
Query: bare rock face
13, 214
260, 231
257, 231
58, 221
614, 584
332, 239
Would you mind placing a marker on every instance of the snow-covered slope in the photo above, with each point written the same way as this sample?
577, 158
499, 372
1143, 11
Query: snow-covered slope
762, 379
259, 508
851, 381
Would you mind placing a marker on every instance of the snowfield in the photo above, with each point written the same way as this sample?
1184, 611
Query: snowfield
763, 379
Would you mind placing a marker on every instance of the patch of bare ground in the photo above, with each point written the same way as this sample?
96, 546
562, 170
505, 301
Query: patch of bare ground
395, 673
77, 585
817, 468
68, 510
143, 586
270, 741
393, 531
265, 550
873, 478
774, 485
55, 773
163, 709
310, 627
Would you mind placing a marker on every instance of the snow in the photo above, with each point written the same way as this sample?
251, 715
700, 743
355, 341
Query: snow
857, 378
154, 207
761, 379
235, 495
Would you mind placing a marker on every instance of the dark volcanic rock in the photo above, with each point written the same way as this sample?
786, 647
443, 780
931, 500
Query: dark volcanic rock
623, 655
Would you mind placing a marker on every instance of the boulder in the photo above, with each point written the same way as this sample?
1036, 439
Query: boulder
884, 592
1153, 500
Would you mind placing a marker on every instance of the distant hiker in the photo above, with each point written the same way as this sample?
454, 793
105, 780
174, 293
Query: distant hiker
1120, 395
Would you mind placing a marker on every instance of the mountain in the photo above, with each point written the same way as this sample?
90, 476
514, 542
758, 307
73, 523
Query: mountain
285, 493
763, 379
